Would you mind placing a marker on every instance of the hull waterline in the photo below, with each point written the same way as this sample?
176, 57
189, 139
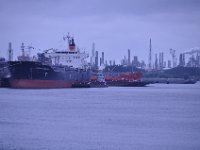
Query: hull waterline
37, 84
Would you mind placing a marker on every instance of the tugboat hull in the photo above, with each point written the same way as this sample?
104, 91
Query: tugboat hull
127, 83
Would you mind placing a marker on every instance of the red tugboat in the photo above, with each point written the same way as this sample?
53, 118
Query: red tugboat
125, 79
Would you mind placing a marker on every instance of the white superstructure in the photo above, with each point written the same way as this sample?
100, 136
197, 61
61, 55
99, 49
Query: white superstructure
70, 57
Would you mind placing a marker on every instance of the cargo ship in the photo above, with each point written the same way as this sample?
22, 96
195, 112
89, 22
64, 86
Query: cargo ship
52, 69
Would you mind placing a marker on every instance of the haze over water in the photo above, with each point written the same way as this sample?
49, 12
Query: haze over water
158, 117
115, 26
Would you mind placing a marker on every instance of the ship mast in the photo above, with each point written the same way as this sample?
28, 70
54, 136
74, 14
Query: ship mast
71, 43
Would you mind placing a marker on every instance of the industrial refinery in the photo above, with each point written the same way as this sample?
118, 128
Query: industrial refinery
156, 61
189, 58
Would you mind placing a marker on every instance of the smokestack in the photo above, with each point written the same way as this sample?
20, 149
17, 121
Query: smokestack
156, 61
161, 60
100, 61
129, 57
150, 55
102, 58
96, 59
93, 57
93, 49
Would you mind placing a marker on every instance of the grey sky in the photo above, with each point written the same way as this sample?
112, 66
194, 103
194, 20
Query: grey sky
114, 26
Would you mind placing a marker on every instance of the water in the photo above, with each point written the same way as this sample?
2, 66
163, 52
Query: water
158, 117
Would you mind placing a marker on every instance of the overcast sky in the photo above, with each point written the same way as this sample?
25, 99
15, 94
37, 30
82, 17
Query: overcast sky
114, 25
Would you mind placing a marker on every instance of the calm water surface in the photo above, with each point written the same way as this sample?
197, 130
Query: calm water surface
157, 117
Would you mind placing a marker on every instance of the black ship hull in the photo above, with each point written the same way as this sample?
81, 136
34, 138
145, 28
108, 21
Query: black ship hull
29, 74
